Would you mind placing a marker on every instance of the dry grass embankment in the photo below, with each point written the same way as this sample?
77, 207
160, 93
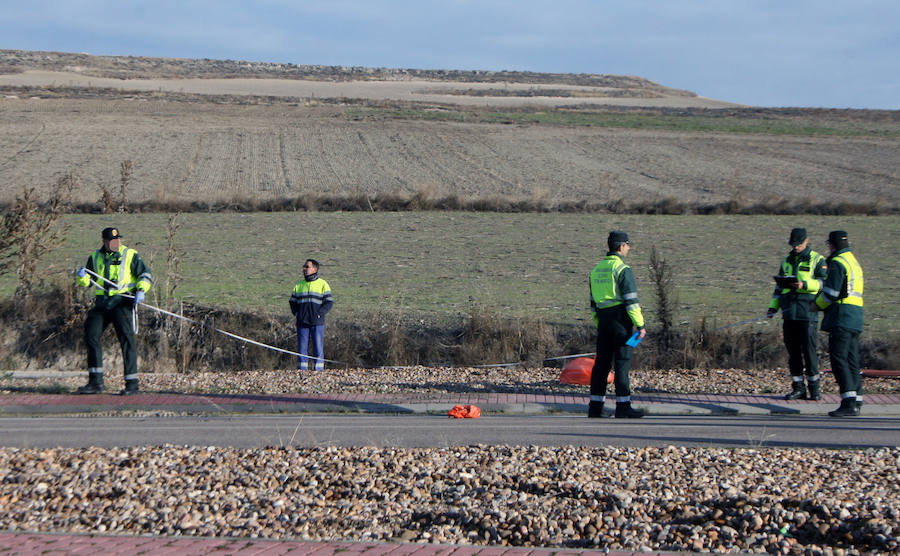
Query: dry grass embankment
166, 344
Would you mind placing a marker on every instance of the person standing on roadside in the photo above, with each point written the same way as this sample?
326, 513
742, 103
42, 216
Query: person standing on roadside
614, 302
310, 301
801, 273
841, 298
121, 279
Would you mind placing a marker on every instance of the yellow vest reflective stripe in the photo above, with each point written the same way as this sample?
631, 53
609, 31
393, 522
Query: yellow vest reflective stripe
119, 274
854, 281
604, 290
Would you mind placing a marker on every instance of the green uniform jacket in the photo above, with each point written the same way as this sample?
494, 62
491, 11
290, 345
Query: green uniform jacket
842, 308
810, 268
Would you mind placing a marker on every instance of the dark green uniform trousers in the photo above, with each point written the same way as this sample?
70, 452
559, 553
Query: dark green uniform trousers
98, 318
800, 341
613, 330
843, 350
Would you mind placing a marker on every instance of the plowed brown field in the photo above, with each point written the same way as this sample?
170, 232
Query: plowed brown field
218, 152
206, 150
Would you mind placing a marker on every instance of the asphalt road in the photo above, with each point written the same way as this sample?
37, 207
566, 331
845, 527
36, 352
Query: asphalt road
254, 431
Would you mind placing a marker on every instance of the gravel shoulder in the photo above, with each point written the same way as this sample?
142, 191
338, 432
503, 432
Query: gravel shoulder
439, 380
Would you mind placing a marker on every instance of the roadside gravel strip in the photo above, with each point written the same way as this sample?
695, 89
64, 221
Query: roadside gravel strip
750, 500
425, 380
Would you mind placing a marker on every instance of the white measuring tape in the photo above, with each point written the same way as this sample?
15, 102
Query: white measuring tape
289, 352
739, 323
219, 330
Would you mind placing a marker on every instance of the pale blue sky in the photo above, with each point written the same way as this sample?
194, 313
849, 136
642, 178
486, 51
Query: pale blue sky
810, 53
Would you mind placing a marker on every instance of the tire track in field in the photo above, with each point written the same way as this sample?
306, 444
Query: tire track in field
192, 165
27, 145
326, 162
355, 162
831, 164
432, 157
467, 153
414, 164
282, 160
650, 168
376, 162
264, 165
216, 166
456, 163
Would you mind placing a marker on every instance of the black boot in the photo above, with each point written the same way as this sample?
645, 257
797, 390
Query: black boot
625, 411
94, 385
798, 392
595, 410
847, 409
131, 387
815, 393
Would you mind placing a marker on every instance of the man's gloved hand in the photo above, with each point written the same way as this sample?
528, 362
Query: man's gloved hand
771, 313
81, 272
139, 297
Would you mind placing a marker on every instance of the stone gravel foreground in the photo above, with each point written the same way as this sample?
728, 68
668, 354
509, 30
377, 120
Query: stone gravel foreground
670, 498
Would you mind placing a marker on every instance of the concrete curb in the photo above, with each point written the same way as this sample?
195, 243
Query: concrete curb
37, 404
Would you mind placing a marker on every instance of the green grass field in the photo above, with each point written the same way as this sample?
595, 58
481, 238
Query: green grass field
728, 123
438, 265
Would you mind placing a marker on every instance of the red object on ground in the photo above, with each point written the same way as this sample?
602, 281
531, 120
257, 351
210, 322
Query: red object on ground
578, 371
874, 373
881, 373
465, 412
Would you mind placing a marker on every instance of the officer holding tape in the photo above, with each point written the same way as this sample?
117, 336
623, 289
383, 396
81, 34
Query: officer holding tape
116, 271
614, 302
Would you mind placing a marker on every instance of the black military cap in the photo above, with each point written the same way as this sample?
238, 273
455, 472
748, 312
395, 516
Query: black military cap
111, 233
837, 237
617, 236
798, 236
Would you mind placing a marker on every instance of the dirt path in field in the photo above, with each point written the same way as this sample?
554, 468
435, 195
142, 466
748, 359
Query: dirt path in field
416, 90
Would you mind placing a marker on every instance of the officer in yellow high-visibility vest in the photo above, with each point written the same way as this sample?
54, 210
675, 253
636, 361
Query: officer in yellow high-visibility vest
805, 269
614, 302
841, 298
123, 267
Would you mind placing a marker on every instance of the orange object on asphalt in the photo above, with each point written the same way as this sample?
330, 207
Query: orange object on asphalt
465, 412
579, 370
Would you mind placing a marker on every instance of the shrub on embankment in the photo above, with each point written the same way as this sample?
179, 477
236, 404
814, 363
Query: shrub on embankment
45, 330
